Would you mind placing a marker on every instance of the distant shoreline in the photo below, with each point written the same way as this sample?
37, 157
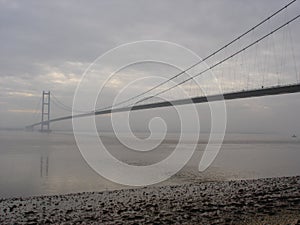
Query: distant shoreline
261, 201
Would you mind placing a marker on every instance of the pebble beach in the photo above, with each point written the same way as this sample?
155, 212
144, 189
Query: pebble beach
261, 201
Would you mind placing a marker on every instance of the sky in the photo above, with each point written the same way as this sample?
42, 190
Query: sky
47, 45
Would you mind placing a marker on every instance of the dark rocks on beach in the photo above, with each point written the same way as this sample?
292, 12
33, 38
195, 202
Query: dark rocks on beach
232, 202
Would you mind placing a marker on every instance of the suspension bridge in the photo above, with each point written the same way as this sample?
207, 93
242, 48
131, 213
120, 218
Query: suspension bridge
262, 61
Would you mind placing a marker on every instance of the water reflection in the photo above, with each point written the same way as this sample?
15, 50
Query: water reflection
36, 164
44, 165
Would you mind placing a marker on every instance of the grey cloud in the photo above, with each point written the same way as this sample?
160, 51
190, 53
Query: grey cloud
42, 38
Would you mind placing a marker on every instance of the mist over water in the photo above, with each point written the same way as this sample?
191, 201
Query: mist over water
33, 163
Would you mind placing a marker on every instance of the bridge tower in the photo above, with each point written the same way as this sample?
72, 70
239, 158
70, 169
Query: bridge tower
45, 123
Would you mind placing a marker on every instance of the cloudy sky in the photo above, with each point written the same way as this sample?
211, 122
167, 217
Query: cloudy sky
47, 45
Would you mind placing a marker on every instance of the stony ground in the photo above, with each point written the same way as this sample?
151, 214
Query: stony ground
263, 201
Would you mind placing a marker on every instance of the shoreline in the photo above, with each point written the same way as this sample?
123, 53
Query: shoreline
258, 201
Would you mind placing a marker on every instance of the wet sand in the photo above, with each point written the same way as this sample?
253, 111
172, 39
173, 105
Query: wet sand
262, 201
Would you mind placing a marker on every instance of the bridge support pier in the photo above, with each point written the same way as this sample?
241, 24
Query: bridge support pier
45, 122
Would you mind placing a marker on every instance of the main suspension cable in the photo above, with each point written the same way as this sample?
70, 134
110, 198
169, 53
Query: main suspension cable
204, 59
227, 58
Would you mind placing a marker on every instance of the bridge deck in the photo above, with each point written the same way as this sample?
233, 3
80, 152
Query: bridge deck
276, 90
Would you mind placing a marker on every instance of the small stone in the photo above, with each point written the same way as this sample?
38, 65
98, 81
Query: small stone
69, 211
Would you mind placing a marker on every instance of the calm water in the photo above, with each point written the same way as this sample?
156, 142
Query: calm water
37, 164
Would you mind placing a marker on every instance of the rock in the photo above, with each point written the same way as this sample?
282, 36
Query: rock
29, 212
11, 208
104, 211
69, 211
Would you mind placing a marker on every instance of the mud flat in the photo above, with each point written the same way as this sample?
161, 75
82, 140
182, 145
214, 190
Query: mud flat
262, 201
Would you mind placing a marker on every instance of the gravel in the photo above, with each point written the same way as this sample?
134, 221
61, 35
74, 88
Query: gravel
261, 201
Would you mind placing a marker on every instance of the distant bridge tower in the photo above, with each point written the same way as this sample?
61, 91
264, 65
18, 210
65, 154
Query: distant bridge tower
45, 123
